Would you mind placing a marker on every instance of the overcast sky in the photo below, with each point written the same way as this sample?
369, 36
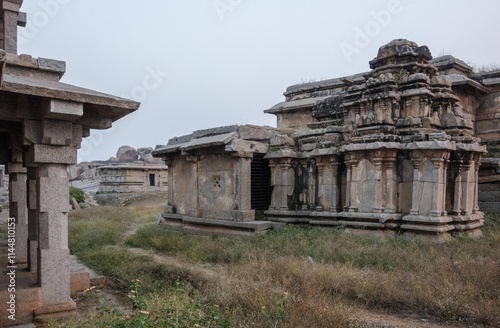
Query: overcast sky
196, 64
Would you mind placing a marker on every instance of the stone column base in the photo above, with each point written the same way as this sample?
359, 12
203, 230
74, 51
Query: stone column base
52, 312
429, 228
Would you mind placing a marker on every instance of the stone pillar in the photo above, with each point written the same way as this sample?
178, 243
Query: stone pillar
32, 219
439, 187
53, 253
286, 183
352, 184
274, 184
417, 176
348, 186
335, 185
243, 188
457, 197
379, 191
193, 211
477, 163
321, 185
305, 186
170, 208
390, 185
311, 188
10, 20
18, 208
468, 189
51, 148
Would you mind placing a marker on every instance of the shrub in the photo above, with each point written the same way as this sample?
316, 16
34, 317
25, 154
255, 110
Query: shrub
77, 194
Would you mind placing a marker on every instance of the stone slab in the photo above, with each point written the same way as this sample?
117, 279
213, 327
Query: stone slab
79, 281
251, 226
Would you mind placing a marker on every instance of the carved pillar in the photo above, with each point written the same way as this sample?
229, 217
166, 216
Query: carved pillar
417, 175
335, 185
286, 183
311, 188
457, 197
476, 185
348, 186
439, 187
390, 185
321, 185
379, 190
468, 188
305, 186
274, 184
352, 184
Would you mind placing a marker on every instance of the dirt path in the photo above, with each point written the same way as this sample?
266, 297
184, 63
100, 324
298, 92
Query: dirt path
367, 318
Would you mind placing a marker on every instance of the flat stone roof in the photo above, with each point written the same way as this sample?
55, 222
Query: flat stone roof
113, 106
294, 104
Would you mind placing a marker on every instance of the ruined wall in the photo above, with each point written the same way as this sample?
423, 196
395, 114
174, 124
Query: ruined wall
126, 178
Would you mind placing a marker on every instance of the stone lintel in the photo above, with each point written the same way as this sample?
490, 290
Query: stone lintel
51, 154
16, 168
238, 145
62, 110
281, 153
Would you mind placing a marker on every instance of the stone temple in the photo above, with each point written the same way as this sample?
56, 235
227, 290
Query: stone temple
395, 149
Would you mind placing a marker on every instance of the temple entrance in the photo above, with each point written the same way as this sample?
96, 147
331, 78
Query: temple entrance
260, 183
152, 180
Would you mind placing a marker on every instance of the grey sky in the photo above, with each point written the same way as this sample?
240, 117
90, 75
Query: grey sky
196, 64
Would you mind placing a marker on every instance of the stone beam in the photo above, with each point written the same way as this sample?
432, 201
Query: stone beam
62, 110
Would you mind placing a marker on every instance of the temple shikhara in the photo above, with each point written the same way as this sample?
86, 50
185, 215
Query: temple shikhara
395, 149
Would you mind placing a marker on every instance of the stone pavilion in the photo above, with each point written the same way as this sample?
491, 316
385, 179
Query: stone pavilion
42, 123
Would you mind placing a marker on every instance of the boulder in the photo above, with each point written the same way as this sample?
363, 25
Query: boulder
127, 154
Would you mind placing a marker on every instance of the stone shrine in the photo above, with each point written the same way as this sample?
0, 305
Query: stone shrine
395, 149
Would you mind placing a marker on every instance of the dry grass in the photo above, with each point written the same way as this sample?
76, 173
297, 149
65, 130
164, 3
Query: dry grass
298, 277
